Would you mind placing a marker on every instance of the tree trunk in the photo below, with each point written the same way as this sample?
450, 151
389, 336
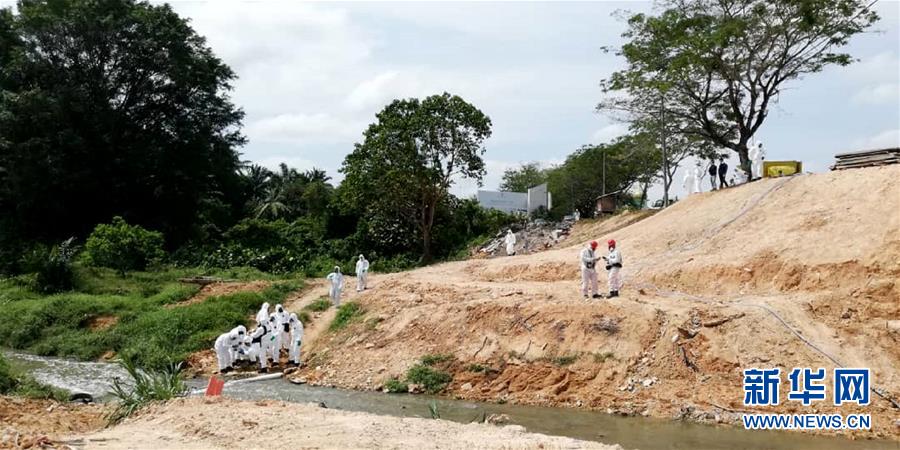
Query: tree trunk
743, 156
427, 225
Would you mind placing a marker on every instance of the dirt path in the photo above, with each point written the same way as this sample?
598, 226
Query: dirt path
222, 423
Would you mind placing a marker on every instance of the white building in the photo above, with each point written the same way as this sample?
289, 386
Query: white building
517, 202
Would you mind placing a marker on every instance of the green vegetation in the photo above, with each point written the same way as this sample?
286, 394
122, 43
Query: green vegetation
603, 357
123, 247
144, 332
477, 368
395, 386
564, 360
432, 380
318, 305
431, 360
347, 313
146, 387
433, 410
15, 383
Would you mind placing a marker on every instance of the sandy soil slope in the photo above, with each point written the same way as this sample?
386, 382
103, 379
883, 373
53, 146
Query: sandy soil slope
720, 282
28, 423
221, 423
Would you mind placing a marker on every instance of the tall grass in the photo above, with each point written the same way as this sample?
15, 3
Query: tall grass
347, 313
146, 332
145, 387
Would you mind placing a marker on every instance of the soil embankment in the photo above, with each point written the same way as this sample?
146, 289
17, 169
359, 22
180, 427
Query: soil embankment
223, 423
719, 282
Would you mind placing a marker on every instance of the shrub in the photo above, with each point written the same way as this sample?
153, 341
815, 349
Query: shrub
347, 313
477, 368
148, 386
55, 272
433, 381
318, 305
565, 360
7, 380
395, 386
602, 357
123, 247
430, 360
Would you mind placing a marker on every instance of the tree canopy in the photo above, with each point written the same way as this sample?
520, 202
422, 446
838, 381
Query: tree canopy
403, 169
112, 108
520, 179
714, 68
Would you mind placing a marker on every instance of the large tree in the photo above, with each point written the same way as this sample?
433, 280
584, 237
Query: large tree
409, 158
522, 178
109, 108
715, 67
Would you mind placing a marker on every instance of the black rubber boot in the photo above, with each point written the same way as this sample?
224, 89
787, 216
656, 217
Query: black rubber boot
597, 296
263, 370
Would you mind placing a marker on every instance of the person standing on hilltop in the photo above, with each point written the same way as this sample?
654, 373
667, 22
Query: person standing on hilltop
713, 170
723, 170
613, 265
588, 270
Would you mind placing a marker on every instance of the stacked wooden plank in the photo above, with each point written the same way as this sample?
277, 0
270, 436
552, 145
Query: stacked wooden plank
866, 158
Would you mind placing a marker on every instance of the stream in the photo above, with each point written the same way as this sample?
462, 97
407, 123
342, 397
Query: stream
95, 378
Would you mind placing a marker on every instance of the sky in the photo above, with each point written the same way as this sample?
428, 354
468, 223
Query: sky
312, 76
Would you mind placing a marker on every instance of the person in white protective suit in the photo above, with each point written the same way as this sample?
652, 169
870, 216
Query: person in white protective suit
510, 241
588, 270
283, 337
245, 351
296, 339
263, 314
362, 273
757, 160
273, 352
688, 183
257, 339
613, 266
225, 346
698, 175
241, 332
337, 284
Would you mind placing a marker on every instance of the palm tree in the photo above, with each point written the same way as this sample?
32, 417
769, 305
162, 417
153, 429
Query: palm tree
273, 205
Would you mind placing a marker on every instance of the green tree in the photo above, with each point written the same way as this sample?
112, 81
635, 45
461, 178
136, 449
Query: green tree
410, 157
112, 108
715, 67
595, 170
520, 179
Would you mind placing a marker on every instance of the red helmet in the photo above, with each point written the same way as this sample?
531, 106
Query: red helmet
611, 243
594, 244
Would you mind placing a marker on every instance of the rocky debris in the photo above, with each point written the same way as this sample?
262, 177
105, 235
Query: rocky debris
497, 419
537, 235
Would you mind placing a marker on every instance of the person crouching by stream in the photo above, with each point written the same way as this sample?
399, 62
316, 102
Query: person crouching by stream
613, 266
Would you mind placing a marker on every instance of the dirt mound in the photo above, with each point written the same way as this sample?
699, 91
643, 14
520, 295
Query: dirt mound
26, 423
221, 423
719, 282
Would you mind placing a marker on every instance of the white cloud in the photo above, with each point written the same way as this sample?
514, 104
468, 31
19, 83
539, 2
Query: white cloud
885, 139
304, 128
608, 133
878, 94
373, 92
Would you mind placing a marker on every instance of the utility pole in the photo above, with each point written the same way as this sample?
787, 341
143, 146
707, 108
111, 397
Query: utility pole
665, 155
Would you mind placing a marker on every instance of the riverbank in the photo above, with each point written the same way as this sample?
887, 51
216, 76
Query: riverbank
195, 423
27, 423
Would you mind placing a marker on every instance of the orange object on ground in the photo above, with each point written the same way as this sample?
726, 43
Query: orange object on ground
214, 387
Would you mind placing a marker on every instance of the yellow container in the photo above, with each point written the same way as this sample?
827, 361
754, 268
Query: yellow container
773, 169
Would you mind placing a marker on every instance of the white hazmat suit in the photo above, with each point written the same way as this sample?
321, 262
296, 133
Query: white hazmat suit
296, 338
241, 332
757, 159
362, 273
263, 314
614, 266
588, 270
283, 336
337, 283
698, 175
510, 243
226, 345
258, 349
688, 183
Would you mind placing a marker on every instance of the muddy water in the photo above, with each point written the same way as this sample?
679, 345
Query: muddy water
629, 432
